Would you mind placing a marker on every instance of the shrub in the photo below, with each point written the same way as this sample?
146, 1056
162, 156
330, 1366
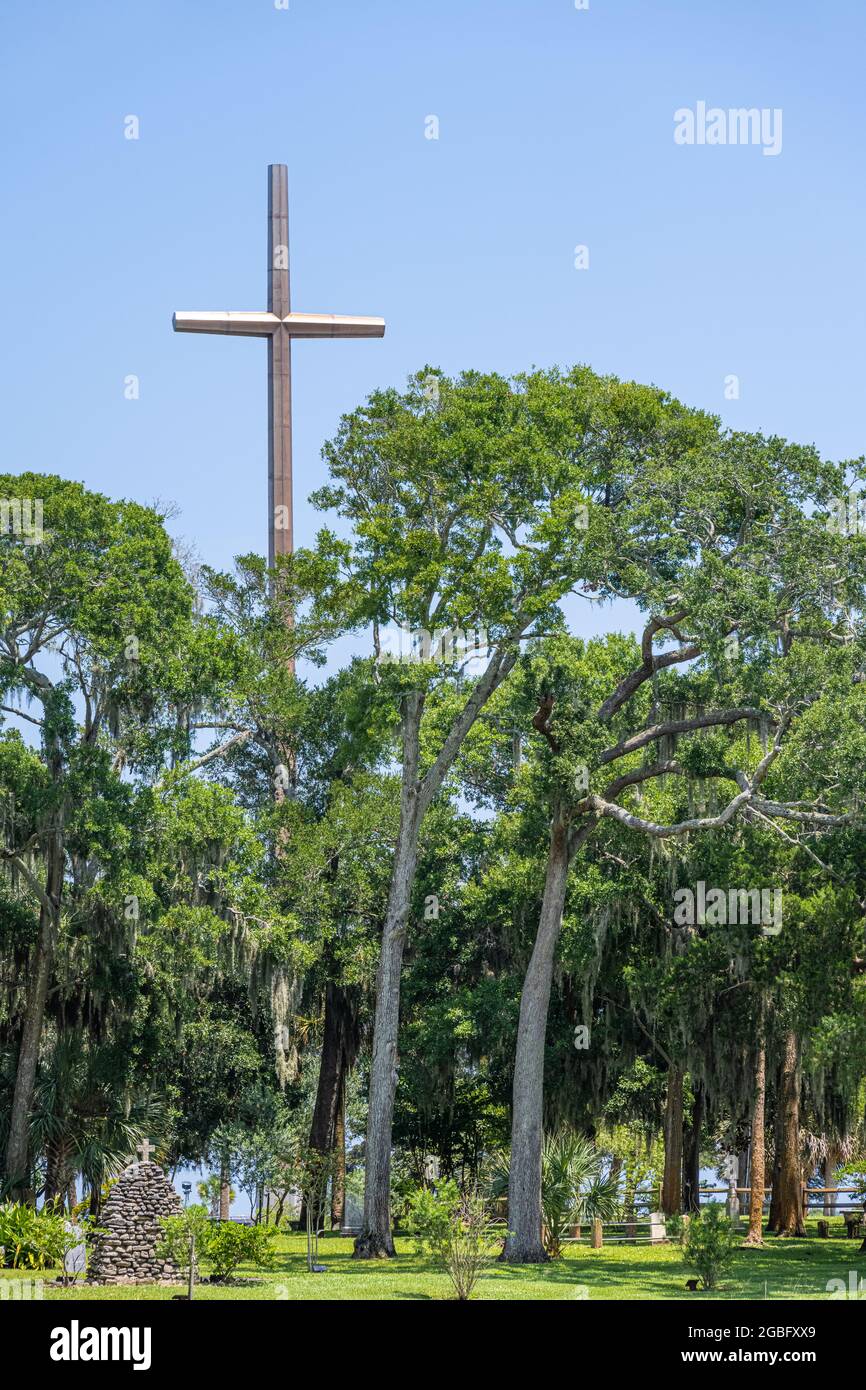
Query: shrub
34, 1239
24, 1237
574, 1187
192, 1237
230, 1244
457, 1230
709, 1242
184, 1240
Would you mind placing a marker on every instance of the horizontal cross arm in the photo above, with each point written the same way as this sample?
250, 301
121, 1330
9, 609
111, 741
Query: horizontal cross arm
259, 325
333, 326
263, 325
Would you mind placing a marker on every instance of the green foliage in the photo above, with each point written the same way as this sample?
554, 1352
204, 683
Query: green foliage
574, 1187
185, 1238
192, 957
229, 1244
40, 1239
26, 1236
430, 1213
709, 1243
210, 1190
457, 1230
192, 1237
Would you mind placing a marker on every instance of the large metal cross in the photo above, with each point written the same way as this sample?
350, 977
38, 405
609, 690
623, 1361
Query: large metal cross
279, 325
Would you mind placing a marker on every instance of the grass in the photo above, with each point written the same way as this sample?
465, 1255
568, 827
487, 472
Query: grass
783, 1269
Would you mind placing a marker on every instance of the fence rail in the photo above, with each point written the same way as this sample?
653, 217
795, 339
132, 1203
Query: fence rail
595, 1231
651, 1197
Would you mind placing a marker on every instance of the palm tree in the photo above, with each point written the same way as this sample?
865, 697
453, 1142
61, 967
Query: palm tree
575, 1188
83, 1121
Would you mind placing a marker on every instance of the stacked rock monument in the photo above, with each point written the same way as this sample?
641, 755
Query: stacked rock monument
126, 1253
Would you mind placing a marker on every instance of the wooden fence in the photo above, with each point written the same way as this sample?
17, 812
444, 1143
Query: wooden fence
651, 1229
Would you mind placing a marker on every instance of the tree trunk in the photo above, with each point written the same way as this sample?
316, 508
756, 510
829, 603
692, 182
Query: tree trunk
329, 1089
692, 1153
789, 1214
672, 1184
225, 1192
759, 1150
828, 1169
57, 1154
415, 797
18, 1174
338, 1181
375, 1240
524, 1244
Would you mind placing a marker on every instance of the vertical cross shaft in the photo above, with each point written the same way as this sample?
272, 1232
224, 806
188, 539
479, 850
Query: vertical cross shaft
279, 325
280, 524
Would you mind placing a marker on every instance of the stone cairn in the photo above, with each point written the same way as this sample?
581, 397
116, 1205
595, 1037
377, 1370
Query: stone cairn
126, 1254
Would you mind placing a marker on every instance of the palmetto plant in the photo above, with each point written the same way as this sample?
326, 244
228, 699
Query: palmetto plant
574, 1186
82, 1122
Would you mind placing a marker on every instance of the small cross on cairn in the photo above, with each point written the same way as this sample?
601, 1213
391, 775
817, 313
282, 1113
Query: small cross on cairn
145, 1148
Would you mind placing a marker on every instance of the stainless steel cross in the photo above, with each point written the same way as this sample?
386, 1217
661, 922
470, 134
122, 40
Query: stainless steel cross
279, 325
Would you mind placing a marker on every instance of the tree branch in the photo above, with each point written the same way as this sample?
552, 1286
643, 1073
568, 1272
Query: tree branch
678, 726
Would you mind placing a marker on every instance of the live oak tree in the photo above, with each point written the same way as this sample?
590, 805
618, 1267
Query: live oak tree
812, 984
722, 542
94, 620
112, 834
457, 1004
337, 881
300, 758
467, 514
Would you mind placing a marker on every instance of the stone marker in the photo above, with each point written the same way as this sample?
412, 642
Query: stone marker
658, 1229
126, 1254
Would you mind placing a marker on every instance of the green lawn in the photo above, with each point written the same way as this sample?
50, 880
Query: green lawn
787, 1269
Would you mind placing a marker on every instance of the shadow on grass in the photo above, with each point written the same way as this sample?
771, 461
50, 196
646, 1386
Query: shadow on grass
781, 1269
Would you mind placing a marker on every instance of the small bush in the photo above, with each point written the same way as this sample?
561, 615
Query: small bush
709, 1243
32, 1239
24, 1237
184, 1239
457, 1230
192, 1236
229, 1244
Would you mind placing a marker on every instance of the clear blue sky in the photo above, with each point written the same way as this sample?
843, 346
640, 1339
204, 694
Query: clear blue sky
556, 128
